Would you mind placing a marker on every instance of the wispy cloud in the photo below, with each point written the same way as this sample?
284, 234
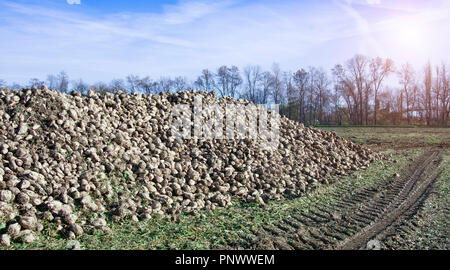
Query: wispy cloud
184, 38
74, 2
187, 11
367, 42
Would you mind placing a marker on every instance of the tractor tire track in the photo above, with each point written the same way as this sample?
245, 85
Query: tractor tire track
354, 216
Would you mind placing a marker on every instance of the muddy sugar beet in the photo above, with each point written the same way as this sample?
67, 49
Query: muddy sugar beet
71, 160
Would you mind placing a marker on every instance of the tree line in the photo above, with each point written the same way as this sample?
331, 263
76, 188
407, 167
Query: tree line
357, 92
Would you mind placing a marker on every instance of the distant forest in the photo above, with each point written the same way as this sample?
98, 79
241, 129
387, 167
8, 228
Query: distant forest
355, 92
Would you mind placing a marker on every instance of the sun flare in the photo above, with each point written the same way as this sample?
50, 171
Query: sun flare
408, 35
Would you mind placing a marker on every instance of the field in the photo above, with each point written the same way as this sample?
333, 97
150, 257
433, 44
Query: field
403, 203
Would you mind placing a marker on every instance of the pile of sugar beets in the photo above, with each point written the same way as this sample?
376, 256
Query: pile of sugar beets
73, 159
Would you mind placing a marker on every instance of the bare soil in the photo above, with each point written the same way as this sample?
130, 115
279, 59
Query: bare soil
354, 217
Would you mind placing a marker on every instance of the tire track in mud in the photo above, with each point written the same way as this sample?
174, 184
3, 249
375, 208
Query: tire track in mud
353, 216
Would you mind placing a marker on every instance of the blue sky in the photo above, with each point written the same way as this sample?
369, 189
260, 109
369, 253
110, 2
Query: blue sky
99, 40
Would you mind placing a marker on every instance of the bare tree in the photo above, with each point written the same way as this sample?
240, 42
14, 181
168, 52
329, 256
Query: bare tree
63, 80
100, 87
59, 82
321, 85
298, 94
277, 90
379, 71
347, 89
336, 98
397, 106
406, 79
117, 85
427, 95
3, 83
252, 75
16, 86
445, 94
147, 85
80, 86
291, 95
223, 81
441, 94
311, 101
228, 80
199, 84
267, 83
205, 81
180, 83
165, 84
52, 82
35, 82
384, 106
357, 69
133, 83
235, 80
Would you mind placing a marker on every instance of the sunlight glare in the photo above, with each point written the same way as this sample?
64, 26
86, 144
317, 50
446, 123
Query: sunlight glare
409, 35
